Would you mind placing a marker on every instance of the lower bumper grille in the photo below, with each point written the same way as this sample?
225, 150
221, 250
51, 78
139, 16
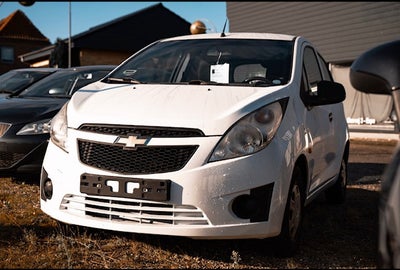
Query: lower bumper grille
134, 211
7, 159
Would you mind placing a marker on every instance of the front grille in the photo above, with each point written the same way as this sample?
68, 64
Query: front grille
143, 160
7, 159
134, 211
120, 130
3, 128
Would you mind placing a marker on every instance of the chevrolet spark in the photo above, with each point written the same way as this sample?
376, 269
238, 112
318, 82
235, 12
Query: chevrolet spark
209, 136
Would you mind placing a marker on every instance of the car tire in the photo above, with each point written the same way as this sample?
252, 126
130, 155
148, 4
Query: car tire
336, 194
286, 243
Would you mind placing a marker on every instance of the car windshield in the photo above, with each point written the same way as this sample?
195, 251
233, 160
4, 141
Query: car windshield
208, 61
14, 80
63, 83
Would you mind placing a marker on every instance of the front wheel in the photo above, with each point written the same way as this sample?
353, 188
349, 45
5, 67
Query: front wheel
287, 241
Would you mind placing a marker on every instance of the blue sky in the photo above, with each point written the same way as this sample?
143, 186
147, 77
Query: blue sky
52, 17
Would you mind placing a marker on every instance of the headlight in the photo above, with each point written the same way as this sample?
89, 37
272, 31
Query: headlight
251, 133
35, 128
58, 128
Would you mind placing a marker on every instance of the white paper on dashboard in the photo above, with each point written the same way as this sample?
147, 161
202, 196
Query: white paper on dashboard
219, 73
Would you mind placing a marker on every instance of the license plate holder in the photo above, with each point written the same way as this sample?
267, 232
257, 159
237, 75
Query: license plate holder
125, 187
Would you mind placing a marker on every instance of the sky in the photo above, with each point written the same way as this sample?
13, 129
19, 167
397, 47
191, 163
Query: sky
52, 17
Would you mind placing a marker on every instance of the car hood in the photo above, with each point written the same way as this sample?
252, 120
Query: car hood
210, 108
24, 110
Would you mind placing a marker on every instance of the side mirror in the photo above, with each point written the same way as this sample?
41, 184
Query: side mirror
377, 71
328, 92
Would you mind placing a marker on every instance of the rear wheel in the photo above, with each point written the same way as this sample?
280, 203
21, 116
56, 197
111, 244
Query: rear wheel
287, 241
337, 193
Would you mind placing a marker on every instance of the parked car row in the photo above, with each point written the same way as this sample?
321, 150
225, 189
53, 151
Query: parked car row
25, 114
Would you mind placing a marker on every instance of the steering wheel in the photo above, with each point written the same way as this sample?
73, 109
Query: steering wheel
256, 80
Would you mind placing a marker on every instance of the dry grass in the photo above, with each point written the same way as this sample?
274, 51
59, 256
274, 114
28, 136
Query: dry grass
31, 239
334, 237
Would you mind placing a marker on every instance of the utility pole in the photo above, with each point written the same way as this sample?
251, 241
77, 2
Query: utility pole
69, 34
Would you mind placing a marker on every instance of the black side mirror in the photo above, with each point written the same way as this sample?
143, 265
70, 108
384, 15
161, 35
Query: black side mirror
328, 92
377, 71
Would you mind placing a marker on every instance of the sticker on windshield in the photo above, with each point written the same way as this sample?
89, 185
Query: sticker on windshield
129, 72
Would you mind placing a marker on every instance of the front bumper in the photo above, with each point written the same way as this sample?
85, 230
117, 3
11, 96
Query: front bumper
231, 199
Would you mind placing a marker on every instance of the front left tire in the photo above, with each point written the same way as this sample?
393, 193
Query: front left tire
287, 242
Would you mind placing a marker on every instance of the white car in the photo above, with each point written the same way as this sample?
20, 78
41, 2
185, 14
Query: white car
209, 136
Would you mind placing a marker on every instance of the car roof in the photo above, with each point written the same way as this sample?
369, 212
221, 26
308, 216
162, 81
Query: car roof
92, 67
78, 68
35, 68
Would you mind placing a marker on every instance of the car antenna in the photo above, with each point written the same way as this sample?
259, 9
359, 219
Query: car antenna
223, 30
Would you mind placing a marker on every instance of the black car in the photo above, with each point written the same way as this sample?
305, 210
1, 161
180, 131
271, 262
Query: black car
17, 80
25, 118
377, 71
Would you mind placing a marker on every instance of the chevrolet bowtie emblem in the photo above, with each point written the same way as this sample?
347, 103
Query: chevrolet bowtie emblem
132, 141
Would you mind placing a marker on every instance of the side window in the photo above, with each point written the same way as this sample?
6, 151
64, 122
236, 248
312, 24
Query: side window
324, 67
304, 87
311, 66
315, 70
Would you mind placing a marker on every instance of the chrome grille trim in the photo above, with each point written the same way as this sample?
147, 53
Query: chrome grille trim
161, 132
135, 211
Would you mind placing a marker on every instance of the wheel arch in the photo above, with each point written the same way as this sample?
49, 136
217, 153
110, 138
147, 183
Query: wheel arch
301, 162
346, 152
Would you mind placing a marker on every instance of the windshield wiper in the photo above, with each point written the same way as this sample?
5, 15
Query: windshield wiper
124, 80
6, 92
200, 82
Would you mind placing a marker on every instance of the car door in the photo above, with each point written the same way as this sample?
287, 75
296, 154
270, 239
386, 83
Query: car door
319, 122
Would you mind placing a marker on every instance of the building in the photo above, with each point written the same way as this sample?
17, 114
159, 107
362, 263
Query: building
112, 42
340, 30
18, 36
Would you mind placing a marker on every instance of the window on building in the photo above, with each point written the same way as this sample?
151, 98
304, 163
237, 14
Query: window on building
7, 55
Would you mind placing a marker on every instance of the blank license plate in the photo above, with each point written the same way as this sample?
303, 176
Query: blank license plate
135, 188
